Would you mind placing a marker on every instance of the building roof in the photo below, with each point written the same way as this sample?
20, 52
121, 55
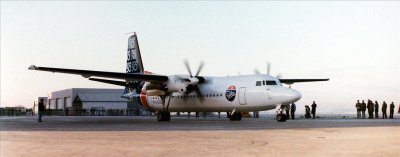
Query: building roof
101, 97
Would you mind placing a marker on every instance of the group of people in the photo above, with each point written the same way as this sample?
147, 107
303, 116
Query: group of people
309, 112
313, 110
373, 107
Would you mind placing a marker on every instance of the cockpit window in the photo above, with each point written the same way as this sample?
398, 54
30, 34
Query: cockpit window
258, 83
271, 82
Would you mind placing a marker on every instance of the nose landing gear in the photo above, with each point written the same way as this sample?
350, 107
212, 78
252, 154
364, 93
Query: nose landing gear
281, 117
281, 114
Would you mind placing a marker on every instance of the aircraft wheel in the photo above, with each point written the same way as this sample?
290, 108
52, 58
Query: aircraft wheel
167, 116
163, 116
237, 116
281, 117
159, 116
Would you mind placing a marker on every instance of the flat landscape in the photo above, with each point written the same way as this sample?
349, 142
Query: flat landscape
145, 136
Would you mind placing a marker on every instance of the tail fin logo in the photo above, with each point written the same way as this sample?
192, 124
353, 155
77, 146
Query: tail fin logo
134, 57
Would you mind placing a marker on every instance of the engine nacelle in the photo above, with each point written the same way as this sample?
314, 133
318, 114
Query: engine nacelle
155, 93
177, 84
174, 84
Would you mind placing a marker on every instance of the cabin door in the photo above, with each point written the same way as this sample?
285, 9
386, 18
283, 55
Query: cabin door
242, 96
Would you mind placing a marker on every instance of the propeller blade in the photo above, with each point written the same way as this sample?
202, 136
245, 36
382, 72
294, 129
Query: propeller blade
256, 71
279, 76
268, 67
187, 67
199, 94
200, 68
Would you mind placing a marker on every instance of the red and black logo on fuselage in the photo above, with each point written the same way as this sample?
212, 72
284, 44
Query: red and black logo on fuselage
230, 93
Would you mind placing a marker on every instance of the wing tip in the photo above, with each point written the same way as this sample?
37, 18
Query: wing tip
32, 67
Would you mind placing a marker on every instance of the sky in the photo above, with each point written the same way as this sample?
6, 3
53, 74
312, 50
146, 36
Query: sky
355, 44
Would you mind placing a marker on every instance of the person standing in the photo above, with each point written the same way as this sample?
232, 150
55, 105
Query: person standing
313, 109
384, 106
391, 110
358, 107
41, 110
370, 109
287, 109
363, 108
292, 110
376, 109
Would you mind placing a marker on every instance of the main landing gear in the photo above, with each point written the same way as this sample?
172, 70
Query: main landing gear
164, 115
235, 116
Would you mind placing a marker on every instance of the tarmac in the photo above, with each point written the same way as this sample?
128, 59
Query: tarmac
212, 136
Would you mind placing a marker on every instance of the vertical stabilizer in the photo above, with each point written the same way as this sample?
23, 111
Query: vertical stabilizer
134, 64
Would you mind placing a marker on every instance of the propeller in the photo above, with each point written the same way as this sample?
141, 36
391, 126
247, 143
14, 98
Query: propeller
268, 67
194, 80
268, 71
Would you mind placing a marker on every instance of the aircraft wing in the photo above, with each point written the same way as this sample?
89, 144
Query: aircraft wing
116, 75
114, 82
291, 81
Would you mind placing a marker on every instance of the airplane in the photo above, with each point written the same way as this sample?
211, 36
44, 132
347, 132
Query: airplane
194, 92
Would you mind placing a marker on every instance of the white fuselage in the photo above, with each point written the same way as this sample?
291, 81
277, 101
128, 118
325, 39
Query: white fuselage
243, 94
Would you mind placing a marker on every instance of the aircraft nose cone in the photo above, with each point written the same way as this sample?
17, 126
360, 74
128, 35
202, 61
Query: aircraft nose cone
294, 95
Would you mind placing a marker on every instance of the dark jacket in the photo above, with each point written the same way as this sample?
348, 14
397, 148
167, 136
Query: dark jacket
293, 108
313, 108
363, 106
384, 106
376, 107
370, 106
392, 107
358, 106
41, 106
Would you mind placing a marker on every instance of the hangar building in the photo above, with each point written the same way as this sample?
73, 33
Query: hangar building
78, 99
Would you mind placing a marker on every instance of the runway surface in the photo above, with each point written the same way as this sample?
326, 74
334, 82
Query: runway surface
145, 136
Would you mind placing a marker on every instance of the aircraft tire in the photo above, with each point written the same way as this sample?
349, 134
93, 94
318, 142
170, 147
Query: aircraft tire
281, 117
237, 116
163, 116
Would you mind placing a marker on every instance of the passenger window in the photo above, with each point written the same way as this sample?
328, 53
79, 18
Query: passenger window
263, 82
258, 83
